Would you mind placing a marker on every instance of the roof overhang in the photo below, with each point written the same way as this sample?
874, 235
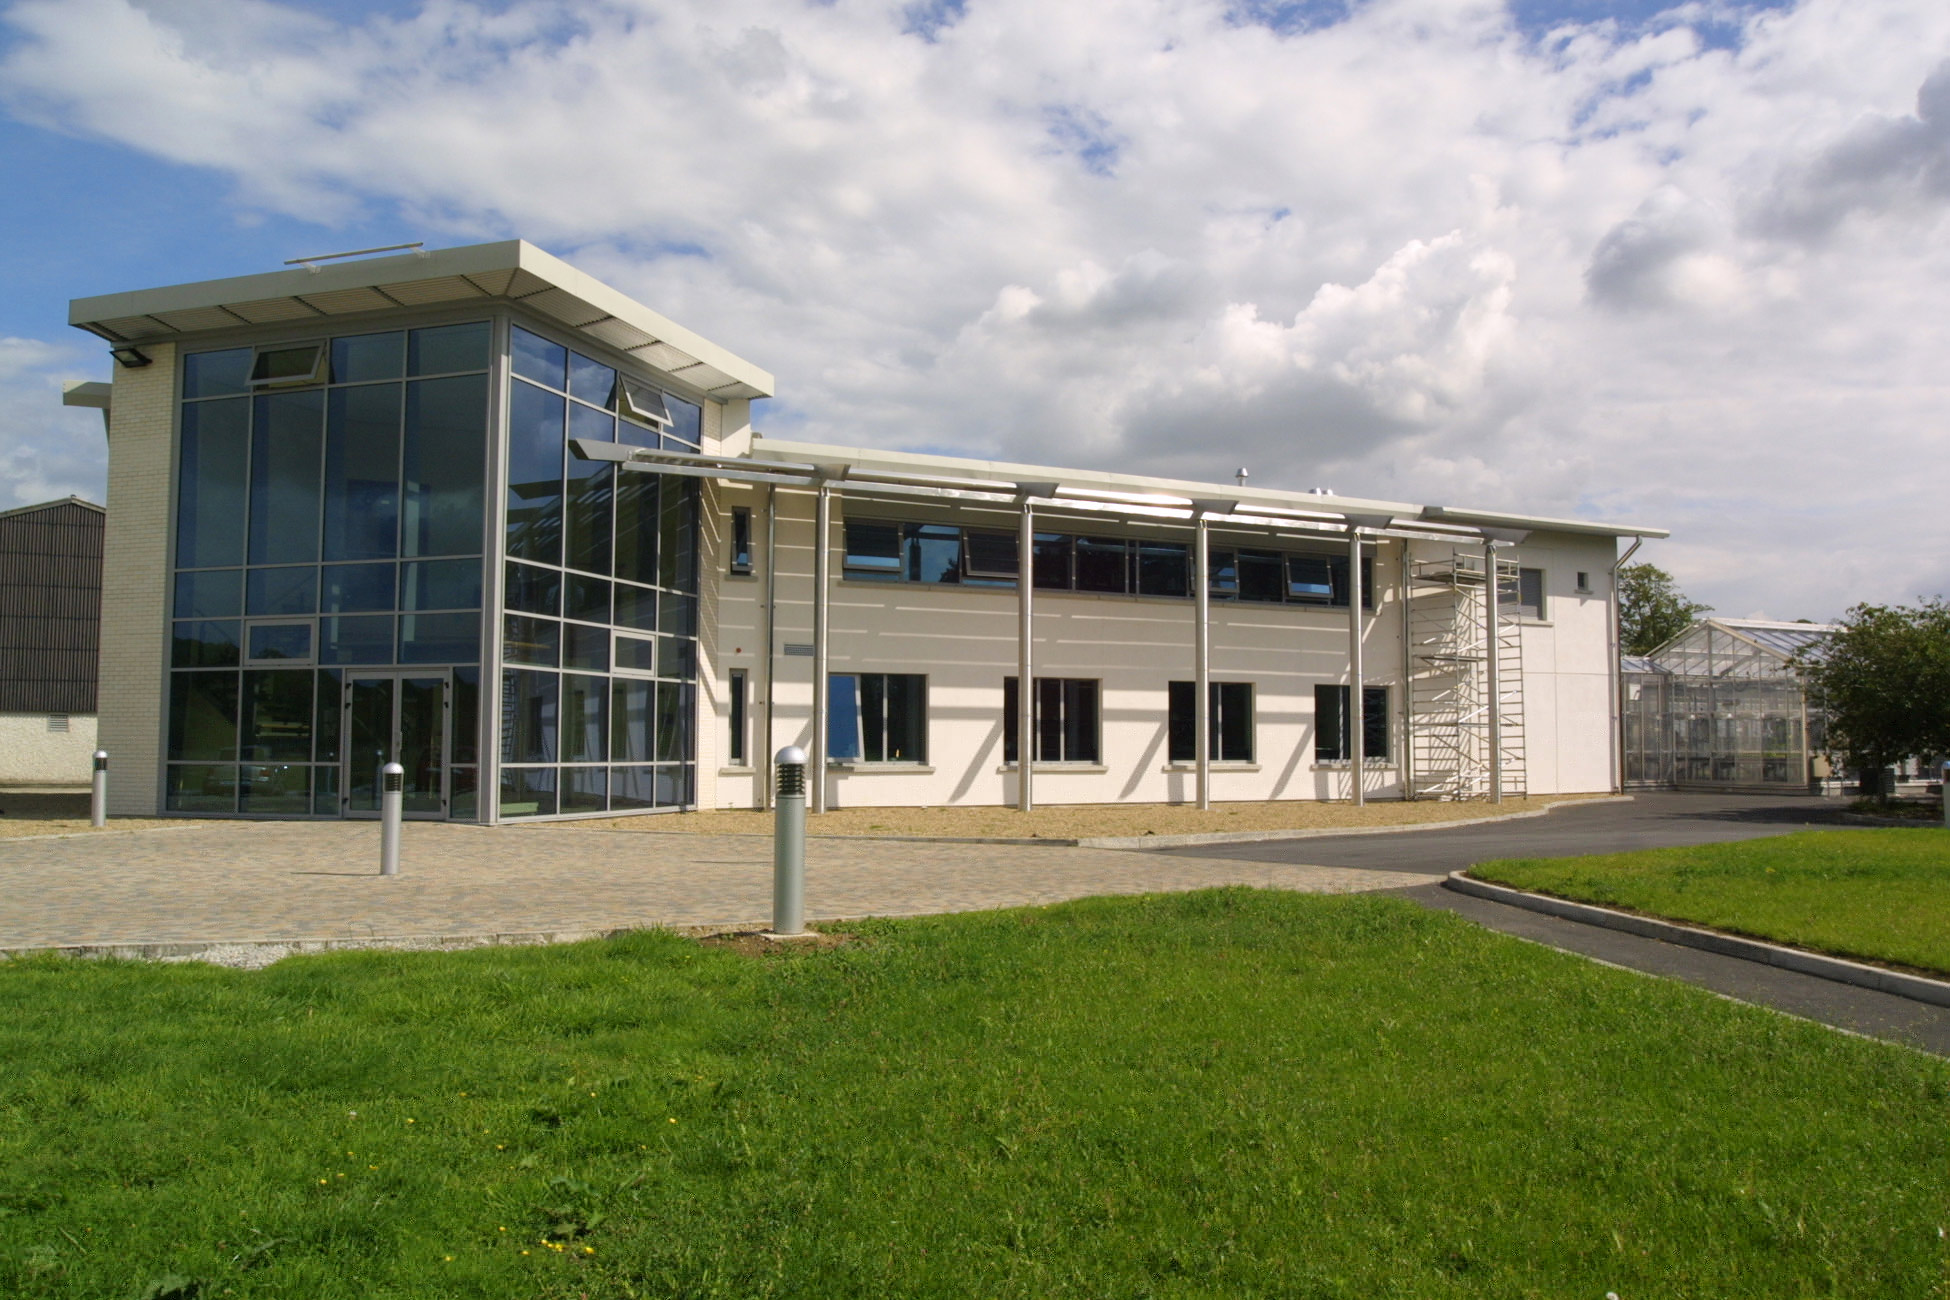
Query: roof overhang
512, 271
862, 469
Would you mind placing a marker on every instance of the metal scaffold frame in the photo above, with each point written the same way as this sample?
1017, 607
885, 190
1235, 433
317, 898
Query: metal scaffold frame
1452, 728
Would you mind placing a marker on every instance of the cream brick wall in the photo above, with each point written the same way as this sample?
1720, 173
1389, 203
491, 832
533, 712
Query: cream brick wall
135, 580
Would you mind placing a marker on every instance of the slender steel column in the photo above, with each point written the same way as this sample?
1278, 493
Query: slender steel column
1357, 705
1025, 657
822, 545
1202, 666
1492, 596
766, 761
1406, 761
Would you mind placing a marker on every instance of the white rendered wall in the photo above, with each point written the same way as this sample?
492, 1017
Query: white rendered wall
30, 754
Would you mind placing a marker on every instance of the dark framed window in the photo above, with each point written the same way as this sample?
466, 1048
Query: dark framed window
877, 717
1103, 564
990, 557
1330, 723
1163, 569
741, 540
1229, 722
1525, 595
1066, 718
735, 752
933, 553
873, 550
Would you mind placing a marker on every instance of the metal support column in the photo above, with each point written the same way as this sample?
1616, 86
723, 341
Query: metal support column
1025, 657
822, 545
1357, 705
1202, 666
1492, 597
771, 642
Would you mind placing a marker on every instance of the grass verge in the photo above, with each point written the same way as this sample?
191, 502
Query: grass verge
1232, 1093
1875, 895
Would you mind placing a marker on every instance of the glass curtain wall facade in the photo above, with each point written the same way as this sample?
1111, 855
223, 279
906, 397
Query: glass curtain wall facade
327, 601
599, 639
329, 581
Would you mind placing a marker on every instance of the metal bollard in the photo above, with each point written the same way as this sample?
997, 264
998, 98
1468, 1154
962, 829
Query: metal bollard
98, 791
789, 844
392, 799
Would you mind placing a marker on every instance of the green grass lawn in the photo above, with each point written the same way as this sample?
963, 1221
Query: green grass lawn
1879, 895
1232, 1093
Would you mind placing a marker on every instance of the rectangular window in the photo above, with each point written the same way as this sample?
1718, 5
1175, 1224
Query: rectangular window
741, 540
1525, 596
1330, 723
933, 553
1103, 564
277, 367
1163, 569
1584, 583
1065, 720
1222, 573
877, 717
873, 550
1053, 561
990, 557
1229, 723
642, 403
1262, 575
735, 751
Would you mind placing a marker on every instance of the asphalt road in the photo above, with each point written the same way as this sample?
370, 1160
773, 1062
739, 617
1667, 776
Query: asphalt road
1650, 821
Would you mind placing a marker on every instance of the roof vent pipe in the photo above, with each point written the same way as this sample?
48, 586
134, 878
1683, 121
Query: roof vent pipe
1240, 475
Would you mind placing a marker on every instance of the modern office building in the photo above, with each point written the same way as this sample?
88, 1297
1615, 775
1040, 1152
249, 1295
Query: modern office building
480, 513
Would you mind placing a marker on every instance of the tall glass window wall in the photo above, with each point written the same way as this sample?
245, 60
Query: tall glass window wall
599, 643
327, 602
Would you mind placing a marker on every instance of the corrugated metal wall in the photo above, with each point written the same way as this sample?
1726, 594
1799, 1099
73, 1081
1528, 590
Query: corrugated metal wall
50, 607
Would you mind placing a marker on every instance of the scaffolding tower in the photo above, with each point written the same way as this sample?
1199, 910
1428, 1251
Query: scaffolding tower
1449, 679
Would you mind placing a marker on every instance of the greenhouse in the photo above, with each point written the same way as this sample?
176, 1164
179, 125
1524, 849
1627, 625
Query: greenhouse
1723, 706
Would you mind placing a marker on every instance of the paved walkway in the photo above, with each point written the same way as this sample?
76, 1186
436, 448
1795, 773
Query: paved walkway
238, 882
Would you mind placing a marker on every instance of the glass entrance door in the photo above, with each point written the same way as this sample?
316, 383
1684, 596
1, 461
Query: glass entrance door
401, 718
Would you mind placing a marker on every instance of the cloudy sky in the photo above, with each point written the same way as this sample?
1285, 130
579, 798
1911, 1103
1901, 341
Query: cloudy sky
1684, 266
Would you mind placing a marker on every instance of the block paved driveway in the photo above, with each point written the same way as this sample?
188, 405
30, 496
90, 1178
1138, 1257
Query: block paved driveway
255, 882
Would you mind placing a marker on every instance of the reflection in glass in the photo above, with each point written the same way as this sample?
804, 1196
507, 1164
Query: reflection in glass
441, 584
203, 715
535, 641
325, 726
533, 590
286, 432
362, 438
325, 792
213, 593
636, 607
528, 716
201, 789
535, 424
1163, 569
585, 789
210, 484
585, 718
440, 638
422, 740
632, 705
368, 740
467, 717
677, 614
538, 359
636, 654
282, 591
365, 639
284, 790
585, 647
463, 793
686, 422
591, 381
676, 657
933, 553
446, 349
673, 720
676, 558
588, 599
1101, 564
636, 526
631, 787
357, 588
217, 374
441, 499
368, 356
674, 785
206, 644
591, 486
527, 792
279, 641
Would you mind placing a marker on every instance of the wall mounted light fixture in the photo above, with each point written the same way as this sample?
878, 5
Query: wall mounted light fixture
130, 357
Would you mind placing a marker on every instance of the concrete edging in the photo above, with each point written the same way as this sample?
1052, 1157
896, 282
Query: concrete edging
1917, 988
1320, 832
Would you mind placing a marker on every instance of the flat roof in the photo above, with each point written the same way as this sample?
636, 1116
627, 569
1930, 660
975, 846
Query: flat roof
514, 270
1141, 489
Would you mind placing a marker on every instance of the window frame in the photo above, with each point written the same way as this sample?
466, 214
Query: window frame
1217, 714
917, 731
261, 351
1372, 718
738, 716
1011, 707
739, 561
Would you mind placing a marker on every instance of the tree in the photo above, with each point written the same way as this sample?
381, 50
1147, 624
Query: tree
1884, 680
1651, 609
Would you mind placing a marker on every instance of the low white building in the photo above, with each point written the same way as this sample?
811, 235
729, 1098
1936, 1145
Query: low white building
479, 513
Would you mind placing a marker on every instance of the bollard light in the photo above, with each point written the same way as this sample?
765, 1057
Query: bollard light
98, 791
392, 799
789, 844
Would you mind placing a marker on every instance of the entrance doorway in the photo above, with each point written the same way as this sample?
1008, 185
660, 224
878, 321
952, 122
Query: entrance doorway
404, 718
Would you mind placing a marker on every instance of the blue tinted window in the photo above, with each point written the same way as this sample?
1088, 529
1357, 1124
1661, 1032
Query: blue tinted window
217, 374
1102, 564
588, 599
286, 436
677, 533
204, 644
283, 641
365, 639
590, 381
368, 356
1222, 573
282, 591
686, 423
439, 638
537, 359
585, 719
636, 524
441, 584
442, 499
215, 593
1163, 568
535, 430
632, 717
446, 349
532, 590
933, 553
210, 485
356, 588
362, 444
591, 491
532, 641
1310, 578
636, 607
528, 711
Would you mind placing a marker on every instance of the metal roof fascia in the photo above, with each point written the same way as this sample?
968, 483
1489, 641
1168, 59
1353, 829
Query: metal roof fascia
1538, 523
378, 272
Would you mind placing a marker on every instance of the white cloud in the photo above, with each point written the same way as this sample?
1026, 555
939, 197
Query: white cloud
1411, 253
47, 450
